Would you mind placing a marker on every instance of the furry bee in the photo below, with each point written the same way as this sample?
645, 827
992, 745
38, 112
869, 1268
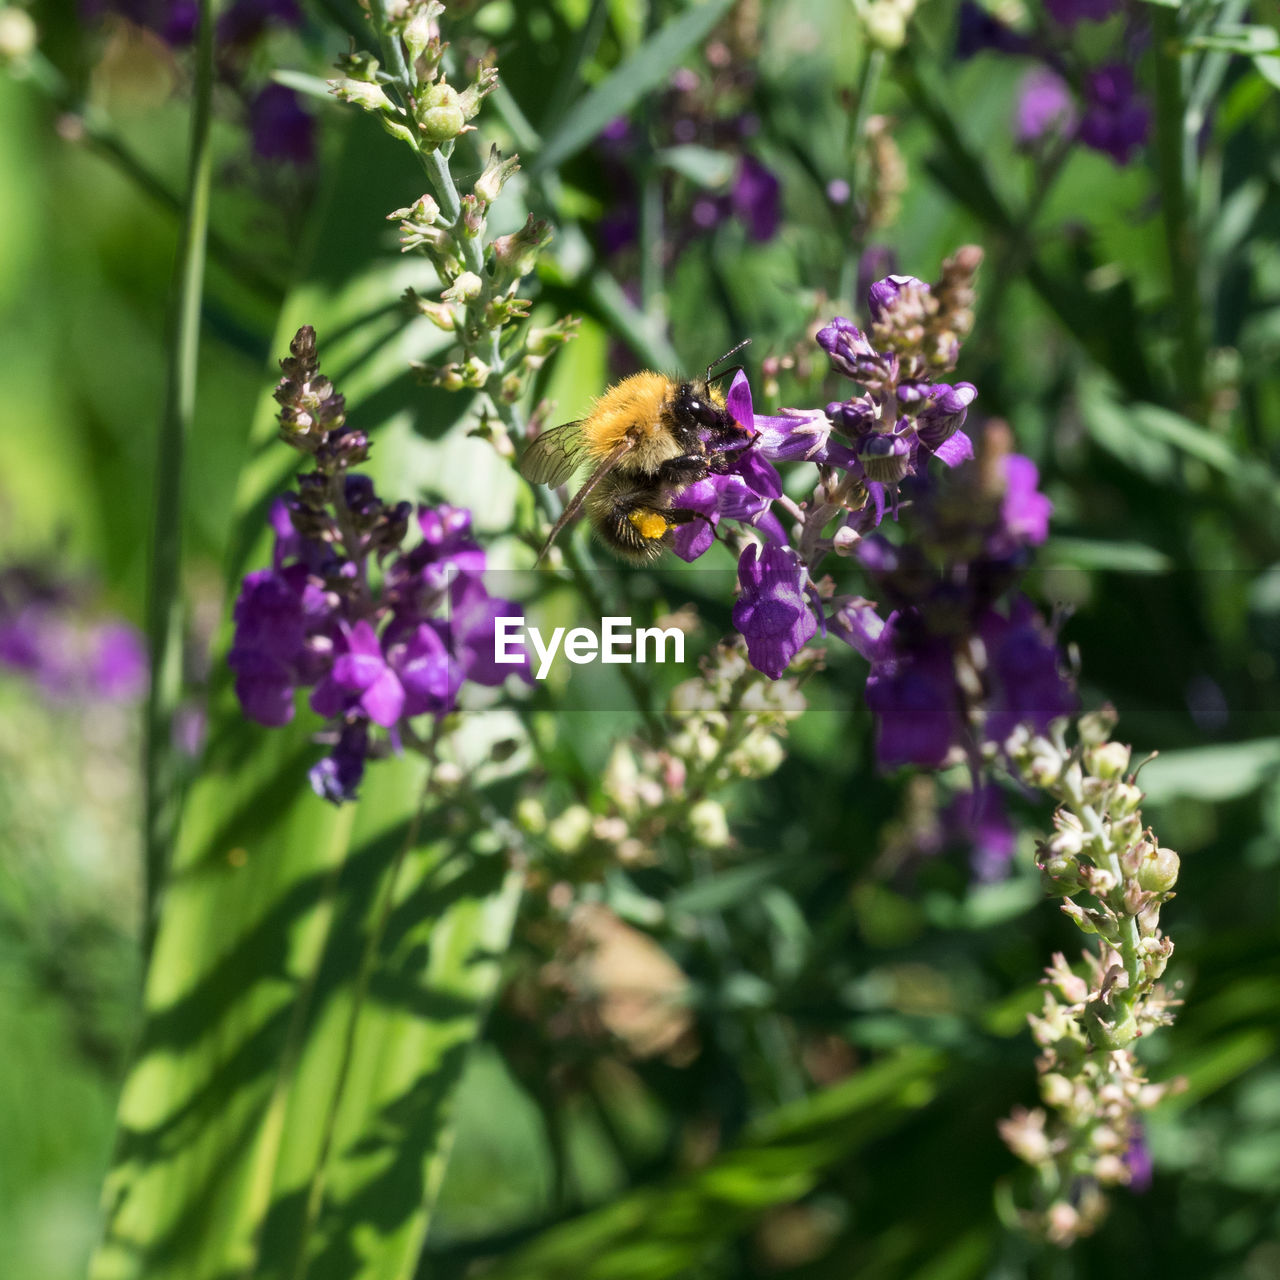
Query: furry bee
648, 436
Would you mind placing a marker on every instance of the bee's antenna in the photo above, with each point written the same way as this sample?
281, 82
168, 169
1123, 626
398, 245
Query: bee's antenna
746, 342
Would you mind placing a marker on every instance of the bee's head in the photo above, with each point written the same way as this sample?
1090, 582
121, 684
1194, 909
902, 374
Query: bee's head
696, 404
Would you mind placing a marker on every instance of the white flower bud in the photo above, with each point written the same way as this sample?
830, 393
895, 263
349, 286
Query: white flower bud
708, 824
17, 35
569, 830
1108, 760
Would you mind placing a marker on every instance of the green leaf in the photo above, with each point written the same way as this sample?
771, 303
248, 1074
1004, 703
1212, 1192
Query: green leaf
318, 974
1211, 773
647, 68
702, 165
1095, 553
725, 889
666, 1230
1233, 37
1269, 70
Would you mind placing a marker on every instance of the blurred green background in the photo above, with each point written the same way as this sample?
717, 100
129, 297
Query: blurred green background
845, 943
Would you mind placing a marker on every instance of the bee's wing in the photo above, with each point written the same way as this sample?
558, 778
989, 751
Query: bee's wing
574, 505
554, 455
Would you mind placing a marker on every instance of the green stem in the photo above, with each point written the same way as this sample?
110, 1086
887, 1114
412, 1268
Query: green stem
165, 610
1174, 166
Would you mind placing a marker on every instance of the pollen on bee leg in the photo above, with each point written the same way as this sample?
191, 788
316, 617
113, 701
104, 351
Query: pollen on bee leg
648, 524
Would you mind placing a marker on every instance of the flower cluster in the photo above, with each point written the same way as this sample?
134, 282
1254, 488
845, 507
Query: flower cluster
376, 652
477, 276
955, 666
1099, 852
599, 979
279, 128
45, 636
954, 669
725, 725
1064, 96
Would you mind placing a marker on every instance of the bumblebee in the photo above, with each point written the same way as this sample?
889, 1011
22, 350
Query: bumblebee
648, 437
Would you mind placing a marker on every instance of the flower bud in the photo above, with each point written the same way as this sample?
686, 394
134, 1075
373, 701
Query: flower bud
497, 173
466, 288
1060, 875
516, 253
1108, 760
885, 23
473, 95
440, 114
1056, 1090
423, 212
1158, 871
1062, 1222
1095, 727
1110, 1170
17, 35
760, 755
359, 65
1106, 1030
440, 314
422, 28
886, 459
1126, 799
1024, 1134
361, 93
708, 824
568, 830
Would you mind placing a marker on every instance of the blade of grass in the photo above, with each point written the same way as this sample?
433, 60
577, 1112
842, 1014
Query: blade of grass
164, 607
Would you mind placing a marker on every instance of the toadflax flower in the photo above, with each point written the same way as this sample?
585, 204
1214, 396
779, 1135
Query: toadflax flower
773, 613
376, 651
48, 636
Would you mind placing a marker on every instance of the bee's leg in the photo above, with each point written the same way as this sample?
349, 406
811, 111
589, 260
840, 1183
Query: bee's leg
683, 470
683, 515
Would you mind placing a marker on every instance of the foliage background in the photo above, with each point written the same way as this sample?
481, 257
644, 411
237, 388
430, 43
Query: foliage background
1165, 544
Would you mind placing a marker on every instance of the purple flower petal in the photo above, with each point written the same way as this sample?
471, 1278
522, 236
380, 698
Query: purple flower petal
1025, 510
954, 451
773, 612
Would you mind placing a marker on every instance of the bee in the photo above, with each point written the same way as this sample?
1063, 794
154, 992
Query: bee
648, 436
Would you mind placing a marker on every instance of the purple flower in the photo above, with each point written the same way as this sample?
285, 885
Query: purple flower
273, 615
336, 777
1138, 1161
915, 699
1045, 106
1069, 12
280, 129
118, 665
247, 20
756, 199
850, 349
884, 293
471, 627
1025, 511
1029, 685
1116, 119
360, 679
420, 659
20, 640
979, 819
977, 29
773, 612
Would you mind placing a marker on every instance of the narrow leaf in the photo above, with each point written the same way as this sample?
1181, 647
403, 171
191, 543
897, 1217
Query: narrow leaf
647, 68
